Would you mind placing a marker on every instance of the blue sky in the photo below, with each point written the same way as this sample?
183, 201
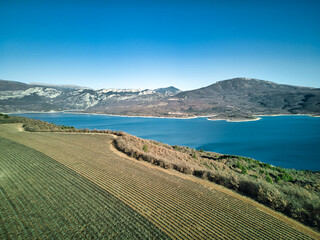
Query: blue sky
151, 44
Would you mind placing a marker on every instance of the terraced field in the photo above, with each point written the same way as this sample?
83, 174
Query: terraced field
159, 203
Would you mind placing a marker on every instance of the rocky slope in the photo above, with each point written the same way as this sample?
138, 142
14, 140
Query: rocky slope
16, 96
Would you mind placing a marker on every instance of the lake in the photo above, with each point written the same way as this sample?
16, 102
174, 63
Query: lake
286, 141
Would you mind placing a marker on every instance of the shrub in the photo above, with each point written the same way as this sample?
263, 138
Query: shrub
244, 171
265, 165
6, 116
268, 179
145, 148
238, 165
286, 177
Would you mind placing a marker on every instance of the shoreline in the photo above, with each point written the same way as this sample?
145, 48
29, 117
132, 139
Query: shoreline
105, 114
258, 117
289, 115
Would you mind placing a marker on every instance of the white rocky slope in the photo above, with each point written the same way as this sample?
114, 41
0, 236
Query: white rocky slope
50, 98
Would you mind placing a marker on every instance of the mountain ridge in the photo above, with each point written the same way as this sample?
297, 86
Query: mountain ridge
233, 99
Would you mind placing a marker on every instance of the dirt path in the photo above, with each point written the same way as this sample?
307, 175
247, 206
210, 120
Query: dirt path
181, 205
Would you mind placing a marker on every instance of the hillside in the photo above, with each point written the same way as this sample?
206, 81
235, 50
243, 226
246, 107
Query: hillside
161, 203
12, 86
235, 99
243, 98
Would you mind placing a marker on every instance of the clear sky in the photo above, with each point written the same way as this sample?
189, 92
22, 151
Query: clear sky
151, 44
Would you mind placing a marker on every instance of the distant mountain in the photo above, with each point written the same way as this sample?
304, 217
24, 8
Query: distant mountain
240, 86
12, 86
62, 86
246, 96
21, 97
237, 98
169, 90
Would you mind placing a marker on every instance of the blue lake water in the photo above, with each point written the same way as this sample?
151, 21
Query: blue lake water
286, 141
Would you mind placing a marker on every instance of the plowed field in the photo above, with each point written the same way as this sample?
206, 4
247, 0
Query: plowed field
176, 206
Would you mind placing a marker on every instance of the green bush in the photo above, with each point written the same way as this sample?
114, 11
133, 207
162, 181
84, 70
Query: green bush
244, 171
145, 148
269, 179
286, 177
239, 165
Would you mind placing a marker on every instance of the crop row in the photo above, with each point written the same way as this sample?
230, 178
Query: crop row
189, 218
40, 198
